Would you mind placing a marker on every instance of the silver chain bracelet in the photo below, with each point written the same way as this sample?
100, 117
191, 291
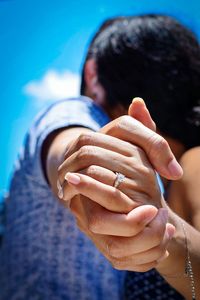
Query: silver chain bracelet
188, 265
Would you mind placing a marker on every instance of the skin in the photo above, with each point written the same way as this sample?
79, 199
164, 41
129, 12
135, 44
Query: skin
187, 189
100, 209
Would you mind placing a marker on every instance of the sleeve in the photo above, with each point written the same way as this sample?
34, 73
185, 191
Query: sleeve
160, 183
71, 112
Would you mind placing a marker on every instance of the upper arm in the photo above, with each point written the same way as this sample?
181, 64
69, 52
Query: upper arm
184, 194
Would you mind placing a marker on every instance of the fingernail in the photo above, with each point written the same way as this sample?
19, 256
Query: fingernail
60, 190
171, 231
72, 178
60, 193
174, 168
139, 99
58, 185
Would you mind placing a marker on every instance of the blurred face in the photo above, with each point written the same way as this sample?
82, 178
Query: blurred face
96, 91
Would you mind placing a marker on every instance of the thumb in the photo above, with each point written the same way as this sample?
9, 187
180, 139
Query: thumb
139, 111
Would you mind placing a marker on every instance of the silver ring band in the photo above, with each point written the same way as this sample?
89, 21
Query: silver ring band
119, 179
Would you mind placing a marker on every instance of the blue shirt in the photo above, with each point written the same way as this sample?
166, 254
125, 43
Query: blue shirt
43, 254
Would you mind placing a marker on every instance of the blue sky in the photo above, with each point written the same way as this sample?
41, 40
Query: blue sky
42, 46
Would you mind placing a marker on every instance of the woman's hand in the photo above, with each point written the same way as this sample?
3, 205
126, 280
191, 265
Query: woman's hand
130, 241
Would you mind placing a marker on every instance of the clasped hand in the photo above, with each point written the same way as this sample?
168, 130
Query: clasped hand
127, 224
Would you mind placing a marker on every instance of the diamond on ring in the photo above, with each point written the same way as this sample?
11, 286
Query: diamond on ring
119, 178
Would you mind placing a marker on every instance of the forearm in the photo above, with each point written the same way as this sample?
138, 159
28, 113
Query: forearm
57, 150
173, 268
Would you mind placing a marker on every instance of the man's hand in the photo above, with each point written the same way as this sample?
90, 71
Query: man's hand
134, 241
155, 146
137, 129
101, 155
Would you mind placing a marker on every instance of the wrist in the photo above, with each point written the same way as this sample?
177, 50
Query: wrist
179, 264
174, 264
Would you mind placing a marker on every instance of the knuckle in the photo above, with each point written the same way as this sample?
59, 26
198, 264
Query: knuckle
142, 170
94, 223
118, 125
149, 174
118, 264
115, 201
132, 162
135, 227
145, 171
114, 250
122, 121
92, 170
157, 145
131, 150
85, 152
84, 139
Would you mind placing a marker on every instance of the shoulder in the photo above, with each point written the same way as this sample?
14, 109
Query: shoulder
184, 193
190, 161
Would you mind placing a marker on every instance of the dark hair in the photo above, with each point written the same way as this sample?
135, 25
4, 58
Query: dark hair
90, 54
158, 59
